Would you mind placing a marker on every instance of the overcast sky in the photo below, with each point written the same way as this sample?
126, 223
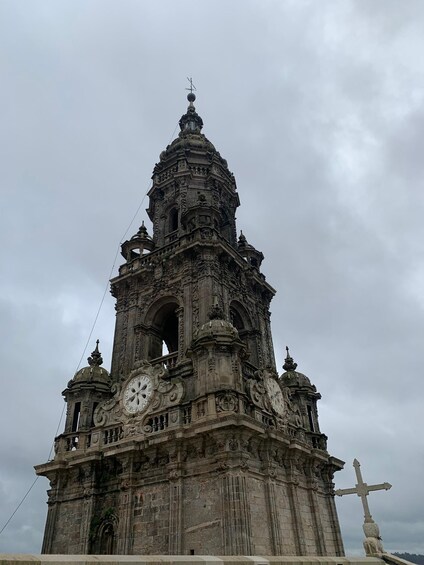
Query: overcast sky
318, 108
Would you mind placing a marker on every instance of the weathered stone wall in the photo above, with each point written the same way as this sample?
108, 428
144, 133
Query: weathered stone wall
285, 519
150, 530
260, 513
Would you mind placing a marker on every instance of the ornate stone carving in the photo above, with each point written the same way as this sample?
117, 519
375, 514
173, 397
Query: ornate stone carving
226, 402
257, 393
165, 394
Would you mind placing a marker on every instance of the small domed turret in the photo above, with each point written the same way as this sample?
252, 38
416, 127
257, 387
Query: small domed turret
90, 386
252, 255
137, 245
94, 373
293, 378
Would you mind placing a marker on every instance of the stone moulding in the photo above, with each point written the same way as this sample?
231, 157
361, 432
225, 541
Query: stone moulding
23, 559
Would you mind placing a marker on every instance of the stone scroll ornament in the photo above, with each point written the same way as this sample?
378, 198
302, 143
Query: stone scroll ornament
266, 392
143, 392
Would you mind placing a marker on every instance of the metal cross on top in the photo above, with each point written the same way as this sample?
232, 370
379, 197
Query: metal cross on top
362, 490
192, 87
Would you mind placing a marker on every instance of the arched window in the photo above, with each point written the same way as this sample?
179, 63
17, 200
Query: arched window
107, 540
104, 541
76, 417
164, 331
225, 226
236, 320
243, 324
254, 262
173, 220
170, 333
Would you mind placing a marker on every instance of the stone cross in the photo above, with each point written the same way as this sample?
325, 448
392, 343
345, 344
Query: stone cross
362, 490
372, 542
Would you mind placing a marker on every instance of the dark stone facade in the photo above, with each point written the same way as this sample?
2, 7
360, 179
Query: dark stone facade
192, 443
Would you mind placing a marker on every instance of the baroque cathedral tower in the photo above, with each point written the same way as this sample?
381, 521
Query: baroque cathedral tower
192, 444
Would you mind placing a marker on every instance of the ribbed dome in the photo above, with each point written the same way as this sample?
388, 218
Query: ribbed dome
293, 378
186, 140
215, 328
94, 373
190, 136
91, 374
296, 379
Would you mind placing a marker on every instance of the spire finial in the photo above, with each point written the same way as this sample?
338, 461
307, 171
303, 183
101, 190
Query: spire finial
191, 97
95, 358
191, 122
242, 241
289, 364
142, 230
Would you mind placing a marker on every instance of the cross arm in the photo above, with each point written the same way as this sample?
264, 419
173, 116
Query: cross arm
343, 491
381, 486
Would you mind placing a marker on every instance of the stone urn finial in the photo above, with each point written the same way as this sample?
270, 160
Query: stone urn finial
95, 359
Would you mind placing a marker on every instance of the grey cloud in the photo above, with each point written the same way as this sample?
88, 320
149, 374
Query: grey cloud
317, 108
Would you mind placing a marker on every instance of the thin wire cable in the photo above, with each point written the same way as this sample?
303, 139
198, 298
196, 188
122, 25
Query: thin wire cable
20, 504
114, 263
88, 340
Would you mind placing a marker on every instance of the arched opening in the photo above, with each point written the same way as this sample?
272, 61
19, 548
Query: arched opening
173, 220
76, 417
104, 540
242, 322
236, 320
164, 331
254, 262
170, 334
225, 226
107, 540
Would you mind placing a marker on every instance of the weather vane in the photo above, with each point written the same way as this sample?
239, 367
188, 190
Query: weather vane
192, 87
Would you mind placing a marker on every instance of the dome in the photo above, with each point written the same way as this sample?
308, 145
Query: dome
94, 373
293, 378
215, 328
191, 136
195, 140
91, 374
296, 379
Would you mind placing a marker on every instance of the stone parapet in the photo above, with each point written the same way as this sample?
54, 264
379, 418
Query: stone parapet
25, 559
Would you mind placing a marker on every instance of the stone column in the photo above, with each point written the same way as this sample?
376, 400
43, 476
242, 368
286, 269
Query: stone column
181, 338
337, 535
125, 509
316, 518
175, 514
299, 536
236, 526
85, 525
50, 527
274, 519
124, 544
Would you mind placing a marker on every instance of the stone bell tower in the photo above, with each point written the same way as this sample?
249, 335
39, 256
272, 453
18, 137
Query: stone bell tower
193, 443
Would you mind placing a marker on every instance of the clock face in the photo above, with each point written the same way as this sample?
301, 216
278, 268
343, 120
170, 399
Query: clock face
275, 396
138, 393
